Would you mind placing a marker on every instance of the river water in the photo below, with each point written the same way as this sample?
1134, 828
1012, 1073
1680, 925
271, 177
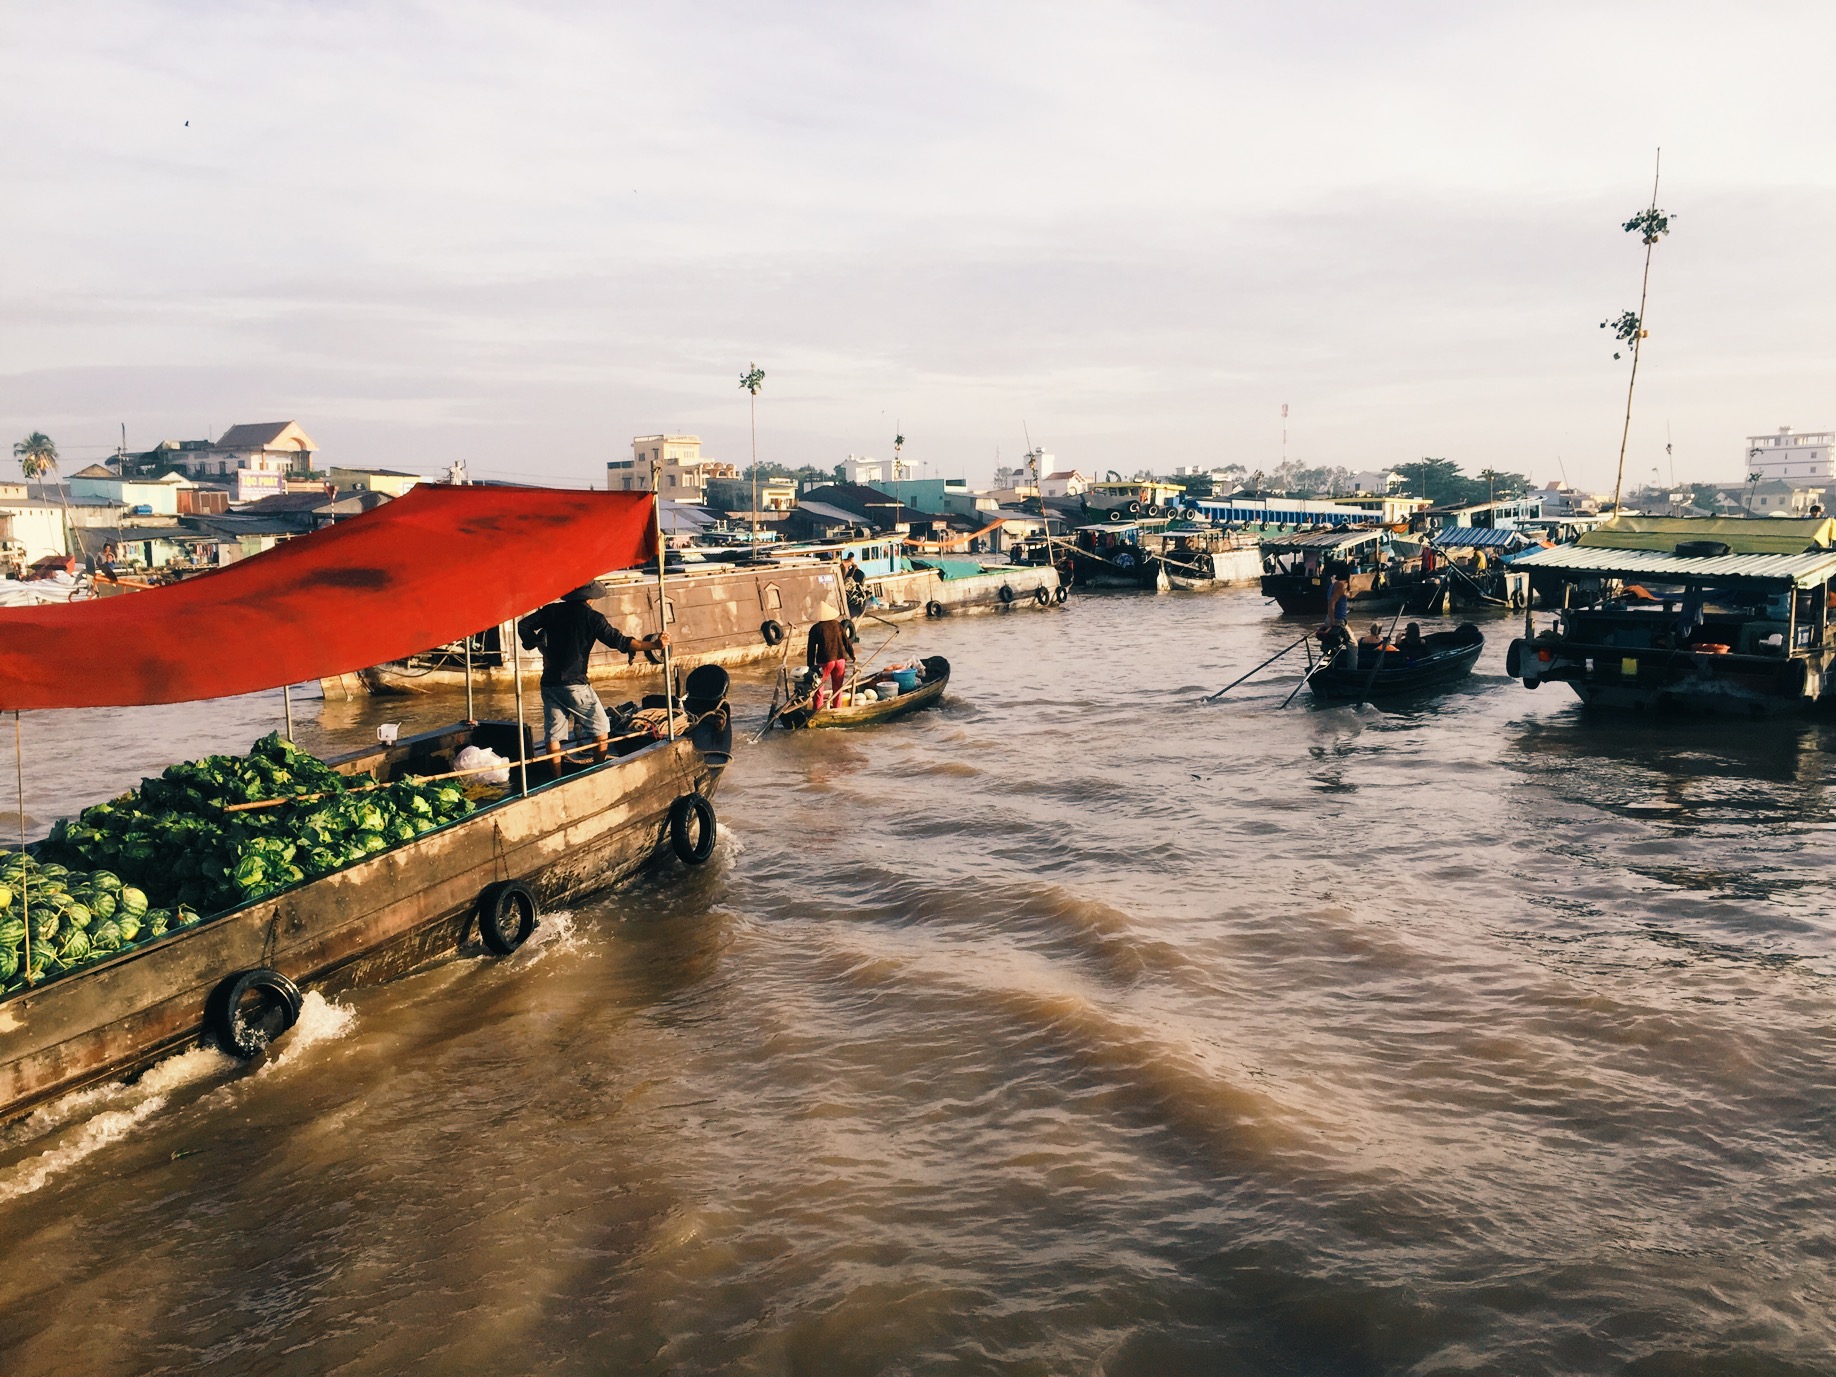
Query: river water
1074, 1027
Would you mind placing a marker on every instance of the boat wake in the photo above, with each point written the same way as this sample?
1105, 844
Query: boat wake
321, 1020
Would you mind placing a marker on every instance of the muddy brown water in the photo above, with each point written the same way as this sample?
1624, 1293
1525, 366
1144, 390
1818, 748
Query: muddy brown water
1070, 1028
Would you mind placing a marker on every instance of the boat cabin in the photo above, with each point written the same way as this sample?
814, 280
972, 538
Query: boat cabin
1675, 612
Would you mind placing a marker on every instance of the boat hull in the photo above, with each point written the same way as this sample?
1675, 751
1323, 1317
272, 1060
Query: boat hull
378, 918
1443, 667
869, 714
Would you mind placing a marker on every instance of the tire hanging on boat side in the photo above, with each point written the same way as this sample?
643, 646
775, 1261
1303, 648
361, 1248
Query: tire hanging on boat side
695, 849
244, 1030
773, 632
507, 913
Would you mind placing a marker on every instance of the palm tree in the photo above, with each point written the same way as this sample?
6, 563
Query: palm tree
37, 456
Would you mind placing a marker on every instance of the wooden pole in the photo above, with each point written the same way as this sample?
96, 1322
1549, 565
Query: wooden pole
25, 890
470, 716
1212, 698
669, 702
522, 743
287, 706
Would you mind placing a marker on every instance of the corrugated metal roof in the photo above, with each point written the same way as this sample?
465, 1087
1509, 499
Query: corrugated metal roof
1805, 570
1481, 536
1324, 540
1744, 535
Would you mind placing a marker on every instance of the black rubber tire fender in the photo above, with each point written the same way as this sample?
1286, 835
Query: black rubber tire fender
1206, 564
697, 849
848, 629
1042, 596
1517, 599
1060, 594
1006, 594
507, 914
654, 656
1513, 660
933, 608
773, 632
246, 1032
1117, 514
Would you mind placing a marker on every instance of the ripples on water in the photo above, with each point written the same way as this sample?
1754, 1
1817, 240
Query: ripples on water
1070, 1028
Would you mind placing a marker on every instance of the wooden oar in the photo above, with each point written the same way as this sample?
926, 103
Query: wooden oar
1212, 698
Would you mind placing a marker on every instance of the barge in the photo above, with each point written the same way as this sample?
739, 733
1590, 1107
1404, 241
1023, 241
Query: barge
477, 881
727, 614
1384, 573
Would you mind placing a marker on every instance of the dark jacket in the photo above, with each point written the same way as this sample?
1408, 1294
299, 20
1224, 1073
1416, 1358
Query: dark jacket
828, 642
566, 632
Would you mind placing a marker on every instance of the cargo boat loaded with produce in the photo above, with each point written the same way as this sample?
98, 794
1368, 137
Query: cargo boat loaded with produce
202, 902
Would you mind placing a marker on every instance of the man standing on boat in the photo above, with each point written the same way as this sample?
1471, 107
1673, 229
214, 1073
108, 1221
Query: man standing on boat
566, 632
829, 654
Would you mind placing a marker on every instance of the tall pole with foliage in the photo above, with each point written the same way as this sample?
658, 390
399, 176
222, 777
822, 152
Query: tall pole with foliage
752, 380
37, 456
1629, 328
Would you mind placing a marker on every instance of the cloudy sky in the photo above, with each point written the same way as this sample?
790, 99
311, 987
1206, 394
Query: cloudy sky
522, 234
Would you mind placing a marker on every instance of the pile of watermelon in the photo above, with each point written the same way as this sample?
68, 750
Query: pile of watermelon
75, 917
161, 855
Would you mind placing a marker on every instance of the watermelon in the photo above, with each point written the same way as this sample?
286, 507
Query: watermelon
44, 925
77, 915
9, 964
105, 879
107, 936
130, 928
102, 903
12, 933
75, 946
6, 896
133, 901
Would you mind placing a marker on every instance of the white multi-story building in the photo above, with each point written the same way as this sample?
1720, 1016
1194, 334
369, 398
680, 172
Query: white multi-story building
678, 462
1799, 460
870, 472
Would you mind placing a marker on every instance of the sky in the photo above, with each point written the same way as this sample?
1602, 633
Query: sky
521, 235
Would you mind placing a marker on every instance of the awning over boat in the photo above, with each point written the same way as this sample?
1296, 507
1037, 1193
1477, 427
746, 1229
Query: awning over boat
1324, 540
423, 570
1481, 538
1778, 535
1807, 570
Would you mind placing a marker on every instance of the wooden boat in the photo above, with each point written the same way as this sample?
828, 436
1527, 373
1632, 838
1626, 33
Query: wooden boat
1356, 674
936, 679
1298, 570
384, 915
1692, 614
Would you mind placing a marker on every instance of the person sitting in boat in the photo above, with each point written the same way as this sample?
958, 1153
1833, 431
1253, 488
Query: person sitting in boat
829, 654
1374, 639
566, 632
1412, 645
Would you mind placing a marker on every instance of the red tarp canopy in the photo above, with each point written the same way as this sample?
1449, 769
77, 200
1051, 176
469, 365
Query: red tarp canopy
423, 570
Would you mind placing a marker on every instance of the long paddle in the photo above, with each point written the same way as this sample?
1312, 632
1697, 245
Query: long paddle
1213, 697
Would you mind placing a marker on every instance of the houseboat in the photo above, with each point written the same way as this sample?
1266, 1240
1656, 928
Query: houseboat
1700, 614
1383, 570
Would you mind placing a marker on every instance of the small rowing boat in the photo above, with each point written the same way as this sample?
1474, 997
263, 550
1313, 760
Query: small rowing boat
860, 714
1359, 673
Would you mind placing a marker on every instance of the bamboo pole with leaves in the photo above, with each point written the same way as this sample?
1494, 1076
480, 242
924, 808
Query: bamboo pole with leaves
752, 380
1629, 327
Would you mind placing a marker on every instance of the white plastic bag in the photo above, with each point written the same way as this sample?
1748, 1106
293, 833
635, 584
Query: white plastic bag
478, 758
